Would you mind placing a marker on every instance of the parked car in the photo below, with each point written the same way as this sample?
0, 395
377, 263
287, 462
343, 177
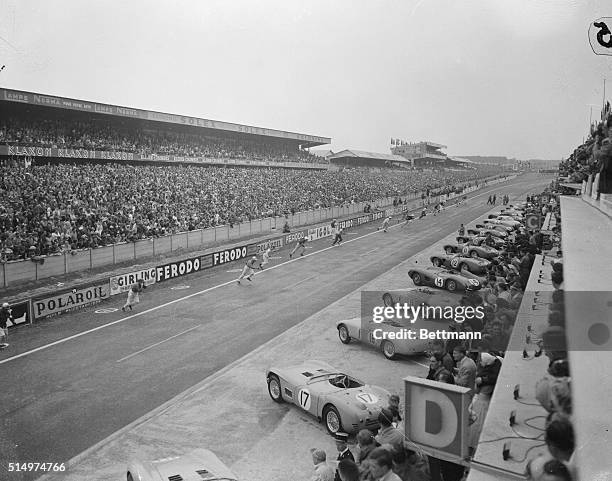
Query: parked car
200, 464
341, 401
442, 278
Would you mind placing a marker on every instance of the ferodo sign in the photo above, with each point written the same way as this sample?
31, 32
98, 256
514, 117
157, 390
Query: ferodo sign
345, 224
229, 255
363, 219
122, 283
437, 418
294, 237
377, 215
70, 300
319, 232
276, 243
177, 269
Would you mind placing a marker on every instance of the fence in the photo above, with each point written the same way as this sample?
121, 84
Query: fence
15, 272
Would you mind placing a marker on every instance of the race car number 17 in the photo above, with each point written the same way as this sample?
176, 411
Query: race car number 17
304, 399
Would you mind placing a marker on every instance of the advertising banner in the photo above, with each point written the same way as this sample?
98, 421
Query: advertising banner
230, 255
319, 232
66, 301
295, 236
21, 312
273, 244
178, 269
437, 418
122, 283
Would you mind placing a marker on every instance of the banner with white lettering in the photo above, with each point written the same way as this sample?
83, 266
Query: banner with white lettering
70, 300
295, 236
230, 255
122, 283
320, 232
273, 244
176, 269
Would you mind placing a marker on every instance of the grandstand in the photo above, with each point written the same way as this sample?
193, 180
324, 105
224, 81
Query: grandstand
50, 128
360, 158
421, 154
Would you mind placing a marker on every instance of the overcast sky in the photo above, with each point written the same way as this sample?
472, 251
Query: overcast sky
484, 77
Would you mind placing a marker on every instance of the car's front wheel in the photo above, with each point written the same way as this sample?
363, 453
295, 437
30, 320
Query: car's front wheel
343, 334
436, 262
451, 285
388, 349
129, 477
416, 278
473, 253
449, 250
333, 423
274, 388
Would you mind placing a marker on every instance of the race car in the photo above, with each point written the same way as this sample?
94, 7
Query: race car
480, 240
506, 217
496, 227
482, 232
442, 278
472, 250
514, 224
200, 464
341, 401
388, 335
460, 263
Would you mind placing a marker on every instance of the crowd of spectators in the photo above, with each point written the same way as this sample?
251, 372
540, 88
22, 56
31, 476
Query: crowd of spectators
100, 135
46, 209
592, 157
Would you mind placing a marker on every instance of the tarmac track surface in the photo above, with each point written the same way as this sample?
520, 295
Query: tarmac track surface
58, 400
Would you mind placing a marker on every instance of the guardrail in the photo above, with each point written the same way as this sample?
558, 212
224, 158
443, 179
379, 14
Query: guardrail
14, 272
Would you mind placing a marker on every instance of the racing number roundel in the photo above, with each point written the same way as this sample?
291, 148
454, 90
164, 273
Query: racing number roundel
304, 399
465, 250
438, 281
454, 262
533, 221
367, 398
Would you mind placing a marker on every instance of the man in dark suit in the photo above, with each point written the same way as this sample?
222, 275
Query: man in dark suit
343, 451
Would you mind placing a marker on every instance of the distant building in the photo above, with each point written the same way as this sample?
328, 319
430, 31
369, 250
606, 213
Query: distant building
360, 158
421, 154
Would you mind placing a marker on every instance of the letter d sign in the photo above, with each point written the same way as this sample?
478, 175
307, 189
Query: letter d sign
437, 418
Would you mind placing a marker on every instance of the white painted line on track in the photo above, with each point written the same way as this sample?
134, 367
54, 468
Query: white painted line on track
369, 252
230, 282
157, 343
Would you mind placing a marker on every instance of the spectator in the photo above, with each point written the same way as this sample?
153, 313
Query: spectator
322, 471
410, 463
486, 377
440, 359
388, 434
466, 369
366, 444
348, 470
381, 465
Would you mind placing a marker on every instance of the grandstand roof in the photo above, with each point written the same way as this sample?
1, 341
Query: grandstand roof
367, 155
42, 100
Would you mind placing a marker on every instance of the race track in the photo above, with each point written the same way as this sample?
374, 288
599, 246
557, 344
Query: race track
59, 400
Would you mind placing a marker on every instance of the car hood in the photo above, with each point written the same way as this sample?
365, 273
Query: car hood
197, 465
373, 398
